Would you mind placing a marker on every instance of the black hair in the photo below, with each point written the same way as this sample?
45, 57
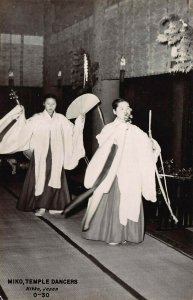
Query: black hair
50, 96
116, 102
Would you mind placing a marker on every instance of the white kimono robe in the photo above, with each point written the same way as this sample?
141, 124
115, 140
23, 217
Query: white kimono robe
134, 165
37, 134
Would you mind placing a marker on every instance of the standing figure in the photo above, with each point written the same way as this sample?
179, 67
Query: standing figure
121, 172
54, 144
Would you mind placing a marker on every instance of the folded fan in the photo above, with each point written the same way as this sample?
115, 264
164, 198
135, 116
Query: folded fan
81, 105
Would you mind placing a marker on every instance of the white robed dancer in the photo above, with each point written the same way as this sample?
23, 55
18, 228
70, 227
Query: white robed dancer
55, 143
122, 171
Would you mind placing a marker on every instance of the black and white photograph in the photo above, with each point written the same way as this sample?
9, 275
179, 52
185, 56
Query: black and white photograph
96, 149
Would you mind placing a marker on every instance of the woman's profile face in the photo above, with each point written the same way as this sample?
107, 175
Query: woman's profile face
123, 111
50, 105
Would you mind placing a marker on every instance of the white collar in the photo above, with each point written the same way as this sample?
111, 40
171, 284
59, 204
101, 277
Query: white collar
123, 124
46, 114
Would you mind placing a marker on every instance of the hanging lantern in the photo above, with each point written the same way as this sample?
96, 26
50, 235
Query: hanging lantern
10, 77
59, 74
59, 78
122, 63
122, 68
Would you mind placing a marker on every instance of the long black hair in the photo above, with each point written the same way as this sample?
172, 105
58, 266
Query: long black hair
50, 96
116, 102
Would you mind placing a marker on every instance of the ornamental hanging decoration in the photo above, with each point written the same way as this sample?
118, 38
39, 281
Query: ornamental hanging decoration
83, 72
178, 35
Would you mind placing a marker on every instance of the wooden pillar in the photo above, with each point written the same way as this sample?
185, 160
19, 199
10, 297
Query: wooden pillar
49, 19
178, 109
187, 124
183, 120
98, 27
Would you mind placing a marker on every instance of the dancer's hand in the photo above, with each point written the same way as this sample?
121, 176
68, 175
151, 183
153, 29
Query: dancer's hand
80, 121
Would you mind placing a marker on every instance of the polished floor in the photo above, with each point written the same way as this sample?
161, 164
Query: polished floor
45, 257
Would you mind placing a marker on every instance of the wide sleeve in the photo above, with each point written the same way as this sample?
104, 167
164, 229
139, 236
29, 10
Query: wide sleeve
73, 142
17, 138
148, 151
9, 119
106, 134
103, 157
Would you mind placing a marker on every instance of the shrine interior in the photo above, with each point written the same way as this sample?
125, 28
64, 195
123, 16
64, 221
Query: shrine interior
137, 50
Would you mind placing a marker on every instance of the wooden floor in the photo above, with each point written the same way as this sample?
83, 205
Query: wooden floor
51, 248
31, 250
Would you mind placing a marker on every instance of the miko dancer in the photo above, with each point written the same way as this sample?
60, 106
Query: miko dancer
121, 172
54, 144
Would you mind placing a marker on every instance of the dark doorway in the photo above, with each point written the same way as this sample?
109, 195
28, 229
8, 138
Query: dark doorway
170, 97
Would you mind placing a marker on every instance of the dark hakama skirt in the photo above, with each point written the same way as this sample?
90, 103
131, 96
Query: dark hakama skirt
105, 225
51, 198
